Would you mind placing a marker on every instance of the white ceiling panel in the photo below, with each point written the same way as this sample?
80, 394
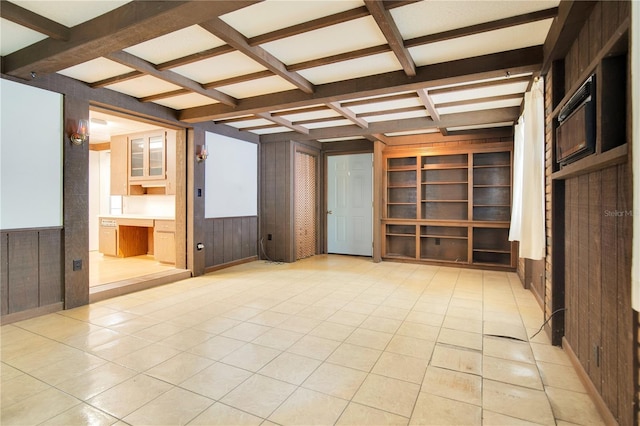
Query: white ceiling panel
270, 130
333, 123
311, 115
413, 132
482, 92
189, 100
340, 38
481, 126
219, 67
480, 106
370, 65
351, 138
143, 86
272, 15
431, 17
258, 87
96, 70
388, 105
505, 39
177, 44
15, 37
396, 116
467, 83
70, 13
249, 123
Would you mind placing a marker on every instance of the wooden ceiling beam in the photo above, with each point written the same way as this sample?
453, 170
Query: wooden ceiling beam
117, 79
199, 56
314, 108
518, 61
164, 95
238, 79
348, 114
234, 38
341, 57
428, 104
148, 68
391, 111
128, 25
391, 32
418, 123
481, 28
481, 85
21, 16
285, 123
510, 97
389, 98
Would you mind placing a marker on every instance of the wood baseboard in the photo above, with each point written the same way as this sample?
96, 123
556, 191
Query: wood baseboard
593, 393
230, 264
31, 313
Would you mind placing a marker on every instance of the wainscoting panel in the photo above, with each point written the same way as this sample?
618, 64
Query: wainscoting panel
230, 240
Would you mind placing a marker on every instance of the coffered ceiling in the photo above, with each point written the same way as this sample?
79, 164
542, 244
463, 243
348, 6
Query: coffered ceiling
299, 69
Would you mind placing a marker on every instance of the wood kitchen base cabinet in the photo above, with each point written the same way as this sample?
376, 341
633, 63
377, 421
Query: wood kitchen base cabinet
125, 237
108, 240
164, 241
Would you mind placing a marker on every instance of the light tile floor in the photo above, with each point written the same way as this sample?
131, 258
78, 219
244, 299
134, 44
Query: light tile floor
326, 340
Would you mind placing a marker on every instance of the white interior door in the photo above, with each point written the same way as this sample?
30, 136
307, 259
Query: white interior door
350, 204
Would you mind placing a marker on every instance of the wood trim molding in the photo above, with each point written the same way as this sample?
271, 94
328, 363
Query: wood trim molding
31, 313
230, 264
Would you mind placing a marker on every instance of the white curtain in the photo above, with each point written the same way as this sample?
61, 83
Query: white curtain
635, 152
527, 221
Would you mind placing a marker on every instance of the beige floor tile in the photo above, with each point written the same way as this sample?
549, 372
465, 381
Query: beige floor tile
503, 329
88, 341
516, 373
81, 414
508, 349
357, 414
347, 318
573, 407
127, 397
464, 313
46, 355
551, 354
290, 368
457, 358
186, 339
306, 407
515, 401
462, 324
269, 318
75, 365
391, 313
411, 346
395, 396
216, 381
251, 357
332, 330
217, 347
314, 347
241, 313
277, 338
464, 339
120, 347
335, 380
560, 376
259, 395
455, 385
300, 324
489, 418
385, 325
147, 357
175, 407
400, 367
428, 318
360, 307
217, 325
434, 410
223, 415
369, 338
19, 388
179, 368
418, 330
7, 372
96, 381
246, 331
289, 307
134, 325
37, 408
158, 332
114, 319
353, 356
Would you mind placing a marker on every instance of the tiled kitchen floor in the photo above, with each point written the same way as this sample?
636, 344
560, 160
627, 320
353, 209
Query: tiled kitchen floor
326, 340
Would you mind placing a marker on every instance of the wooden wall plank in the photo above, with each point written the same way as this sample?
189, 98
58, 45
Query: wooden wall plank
247, 242
228, 240
218, 242
610, 15
236, 233
594, 318
584, 49
626, 366
253, 236
23, 267
4, 273
571, 316
609, 297
583, 350
50, 266
595, 30
209, 242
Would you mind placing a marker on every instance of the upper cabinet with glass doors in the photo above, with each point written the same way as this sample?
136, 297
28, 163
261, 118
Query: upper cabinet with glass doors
147, 156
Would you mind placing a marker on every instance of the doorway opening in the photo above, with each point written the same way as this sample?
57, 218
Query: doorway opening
137, 204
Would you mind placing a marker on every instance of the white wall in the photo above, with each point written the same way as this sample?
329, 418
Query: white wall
231, 177
30, 157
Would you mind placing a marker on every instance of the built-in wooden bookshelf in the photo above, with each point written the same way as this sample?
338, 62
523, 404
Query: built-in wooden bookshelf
449, 205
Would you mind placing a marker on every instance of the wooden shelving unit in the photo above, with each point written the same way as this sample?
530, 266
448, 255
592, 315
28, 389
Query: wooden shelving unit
449, 206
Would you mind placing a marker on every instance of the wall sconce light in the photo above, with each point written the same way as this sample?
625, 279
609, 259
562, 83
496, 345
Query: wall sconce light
81, 133
201, 153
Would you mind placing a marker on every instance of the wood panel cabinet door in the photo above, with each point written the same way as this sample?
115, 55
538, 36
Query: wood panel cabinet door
119, 166
108, 241
147, 156
165, 247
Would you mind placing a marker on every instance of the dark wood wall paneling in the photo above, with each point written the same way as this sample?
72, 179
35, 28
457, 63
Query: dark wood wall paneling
591, 213
230, 240
31, 274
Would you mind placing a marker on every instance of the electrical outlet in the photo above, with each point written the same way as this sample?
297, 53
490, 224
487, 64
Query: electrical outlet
77, 264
